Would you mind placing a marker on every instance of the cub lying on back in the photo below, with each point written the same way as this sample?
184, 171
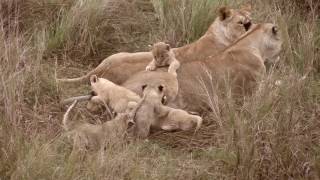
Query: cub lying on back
163, 56
118, 98
90, 137
151, 113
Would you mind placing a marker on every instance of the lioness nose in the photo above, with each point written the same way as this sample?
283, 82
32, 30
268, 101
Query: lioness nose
247, 25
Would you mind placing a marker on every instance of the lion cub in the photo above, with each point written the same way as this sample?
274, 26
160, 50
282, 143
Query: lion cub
90, 137
163, 56
151, 113
107, 93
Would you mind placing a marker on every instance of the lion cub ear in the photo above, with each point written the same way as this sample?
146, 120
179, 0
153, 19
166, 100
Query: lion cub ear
168, 47
130, 123
164, 100
224, 13
94, 79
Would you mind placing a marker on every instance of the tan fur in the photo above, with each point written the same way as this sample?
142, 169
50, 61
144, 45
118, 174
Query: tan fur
90, 137
168, 80
107, 93
240, 66
228, 27
163, 56
103, 90
151, 113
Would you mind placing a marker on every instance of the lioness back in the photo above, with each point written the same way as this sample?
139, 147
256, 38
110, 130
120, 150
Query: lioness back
228, 26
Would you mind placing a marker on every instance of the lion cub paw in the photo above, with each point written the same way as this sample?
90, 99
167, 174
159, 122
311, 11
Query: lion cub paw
150, 68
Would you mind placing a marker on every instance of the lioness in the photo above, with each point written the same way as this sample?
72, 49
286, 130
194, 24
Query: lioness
90, 137
151, 113
227, 27
163, 56
242, 64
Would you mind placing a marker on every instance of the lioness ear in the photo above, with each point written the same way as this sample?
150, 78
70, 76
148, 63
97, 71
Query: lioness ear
143, 87
224, 13
93, 79
160, 88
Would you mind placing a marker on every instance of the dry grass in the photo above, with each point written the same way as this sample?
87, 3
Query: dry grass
274, 135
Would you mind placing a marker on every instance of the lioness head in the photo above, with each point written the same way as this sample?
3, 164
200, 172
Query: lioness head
160, 52
232, 23
271, 41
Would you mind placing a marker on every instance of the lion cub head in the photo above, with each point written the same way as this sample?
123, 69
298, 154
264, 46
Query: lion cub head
98, 86
154, 94
161, 54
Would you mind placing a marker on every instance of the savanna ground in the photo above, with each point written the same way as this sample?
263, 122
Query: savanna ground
275, 134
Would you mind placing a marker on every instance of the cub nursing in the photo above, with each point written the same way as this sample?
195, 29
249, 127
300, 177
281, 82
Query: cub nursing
90, 137
151, 113
118, 98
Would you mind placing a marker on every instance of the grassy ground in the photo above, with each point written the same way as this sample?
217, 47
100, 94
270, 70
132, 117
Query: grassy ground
274, 135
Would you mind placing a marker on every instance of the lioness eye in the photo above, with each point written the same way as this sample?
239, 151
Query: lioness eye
240, 22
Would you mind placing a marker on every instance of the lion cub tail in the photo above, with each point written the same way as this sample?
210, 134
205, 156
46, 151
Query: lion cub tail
67, 124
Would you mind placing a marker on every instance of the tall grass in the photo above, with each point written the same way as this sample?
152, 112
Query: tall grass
273, 135
184, 21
